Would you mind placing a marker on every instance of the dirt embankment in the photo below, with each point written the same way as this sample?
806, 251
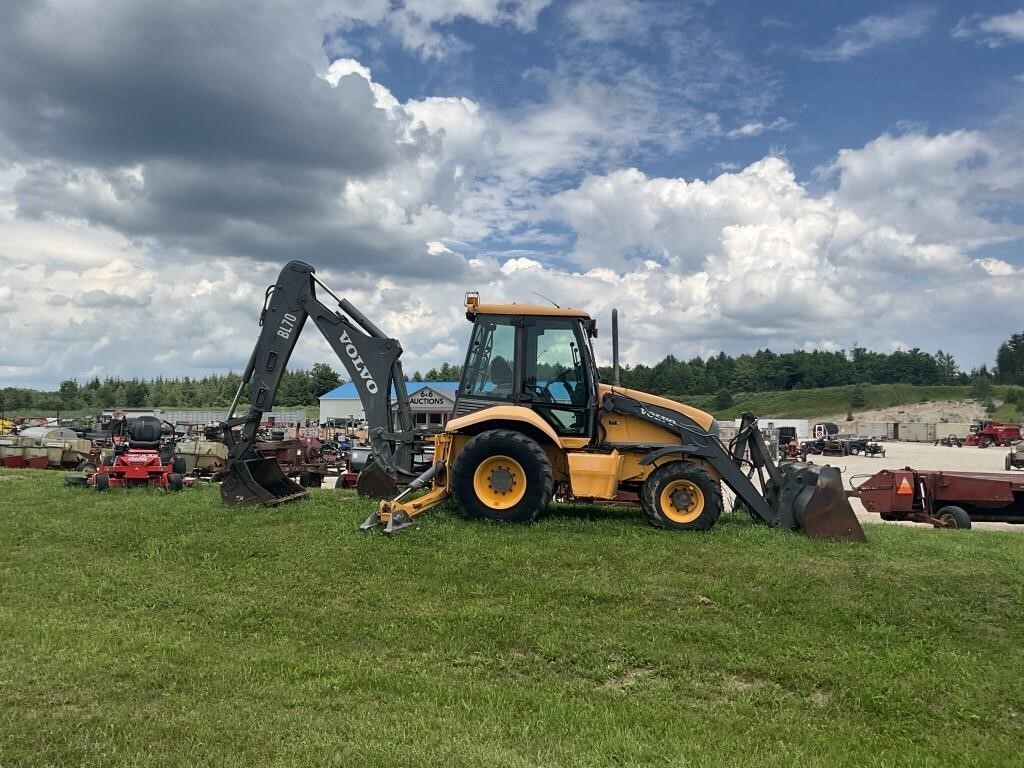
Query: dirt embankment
937, 411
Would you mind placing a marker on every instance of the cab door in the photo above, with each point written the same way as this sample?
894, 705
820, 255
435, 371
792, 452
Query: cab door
553, 367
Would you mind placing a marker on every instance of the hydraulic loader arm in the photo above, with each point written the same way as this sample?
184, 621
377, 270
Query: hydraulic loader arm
370, 358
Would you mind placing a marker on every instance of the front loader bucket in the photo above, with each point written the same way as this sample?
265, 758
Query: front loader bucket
811, 499
257, 481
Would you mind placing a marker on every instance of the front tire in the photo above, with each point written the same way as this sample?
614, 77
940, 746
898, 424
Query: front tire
175, 481
954, 517
681, 496
102, 481
502, 475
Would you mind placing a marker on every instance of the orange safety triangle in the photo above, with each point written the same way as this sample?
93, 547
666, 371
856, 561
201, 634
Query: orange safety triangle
904, 488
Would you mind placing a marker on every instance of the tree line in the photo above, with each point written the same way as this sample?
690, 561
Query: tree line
721, 375
767, 371
298, 388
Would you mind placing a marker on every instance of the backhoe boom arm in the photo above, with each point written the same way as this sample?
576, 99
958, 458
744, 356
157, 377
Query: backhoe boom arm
370, 358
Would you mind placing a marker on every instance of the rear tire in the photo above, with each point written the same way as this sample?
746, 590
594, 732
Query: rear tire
178, 465
102, 482
504, 476
954, 517
681, 496
1008, 463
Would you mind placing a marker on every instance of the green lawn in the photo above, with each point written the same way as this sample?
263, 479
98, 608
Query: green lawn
144, 628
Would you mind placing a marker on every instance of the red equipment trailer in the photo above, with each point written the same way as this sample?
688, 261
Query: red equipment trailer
943, 499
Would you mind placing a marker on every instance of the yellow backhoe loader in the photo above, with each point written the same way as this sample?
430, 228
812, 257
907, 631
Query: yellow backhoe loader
532, 423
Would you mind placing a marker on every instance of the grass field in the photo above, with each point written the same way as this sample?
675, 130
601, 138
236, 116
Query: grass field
144, 628
811, 403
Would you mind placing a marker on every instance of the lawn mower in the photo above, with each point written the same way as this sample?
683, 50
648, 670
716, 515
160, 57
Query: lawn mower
143, 459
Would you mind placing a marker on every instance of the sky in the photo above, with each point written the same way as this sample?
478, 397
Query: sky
731, 175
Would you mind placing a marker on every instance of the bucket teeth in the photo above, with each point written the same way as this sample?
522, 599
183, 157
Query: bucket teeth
398, 521
371, 522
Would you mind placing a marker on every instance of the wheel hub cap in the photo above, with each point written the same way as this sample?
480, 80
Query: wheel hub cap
682, 499
501, 480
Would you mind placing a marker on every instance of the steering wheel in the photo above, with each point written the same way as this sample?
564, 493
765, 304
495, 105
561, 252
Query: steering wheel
563, 379
542, 393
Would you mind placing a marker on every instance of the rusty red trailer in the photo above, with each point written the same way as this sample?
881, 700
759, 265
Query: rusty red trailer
943, 499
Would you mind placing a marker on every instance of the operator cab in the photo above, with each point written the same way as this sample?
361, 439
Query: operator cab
537, 357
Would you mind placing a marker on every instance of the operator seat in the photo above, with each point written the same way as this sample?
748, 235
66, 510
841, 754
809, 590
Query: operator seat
501, 376
144, 433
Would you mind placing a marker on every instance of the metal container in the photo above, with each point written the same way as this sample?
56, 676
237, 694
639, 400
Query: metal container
917, 432
878, 430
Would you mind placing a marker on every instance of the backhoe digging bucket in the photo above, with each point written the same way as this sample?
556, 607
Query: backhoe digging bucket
811, 499
257, 481
374, 483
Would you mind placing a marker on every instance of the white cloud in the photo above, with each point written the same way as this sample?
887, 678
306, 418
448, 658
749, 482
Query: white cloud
993, 31
749, 130
750, 257
943, 188
754, 255
605, 20
422, 25
996, 267
873, 32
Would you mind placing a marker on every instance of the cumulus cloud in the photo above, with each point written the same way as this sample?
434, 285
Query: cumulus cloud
148, 122
747, 258
993, 31
147, 174
755, 255
873, 32
949, 188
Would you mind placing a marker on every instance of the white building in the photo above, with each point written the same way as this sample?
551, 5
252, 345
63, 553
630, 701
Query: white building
431, 402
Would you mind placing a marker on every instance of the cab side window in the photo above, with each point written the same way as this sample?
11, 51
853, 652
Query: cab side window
489, 371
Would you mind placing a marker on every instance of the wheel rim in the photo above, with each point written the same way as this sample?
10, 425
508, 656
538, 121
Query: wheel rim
682, 501
949, 520
499, 482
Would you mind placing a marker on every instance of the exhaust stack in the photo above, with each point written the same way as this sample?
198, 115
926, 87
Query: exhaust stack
615, 348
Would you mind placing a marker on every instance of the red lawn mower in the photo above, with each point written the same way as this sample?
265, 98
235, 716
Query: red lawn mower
144, 459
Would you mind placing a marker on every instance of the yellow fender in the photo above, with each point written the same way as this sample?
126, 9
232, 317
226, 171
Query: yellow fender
503, 413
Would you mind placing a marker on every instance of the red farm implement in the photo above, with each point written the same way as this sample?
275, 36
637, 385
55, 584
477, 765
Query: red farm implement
986, 433
943, 499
